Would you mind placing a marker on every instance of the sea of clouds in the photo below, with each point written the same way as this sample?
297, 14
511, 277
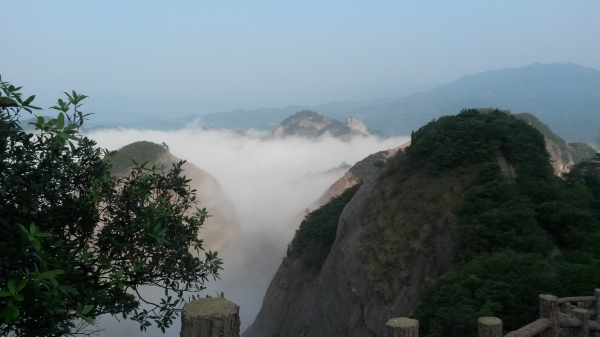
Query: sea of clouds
268, 181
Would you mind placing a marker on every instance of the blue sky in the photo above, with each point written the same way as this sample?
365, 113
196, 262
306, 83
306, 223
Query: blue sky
159, 58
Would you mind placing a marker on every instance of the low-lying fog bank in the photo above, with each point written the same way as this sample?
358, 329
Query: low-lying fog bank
269, 182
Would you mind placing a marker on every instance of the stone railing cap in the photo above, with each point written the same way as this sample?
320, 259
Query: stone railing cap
490, 320
209, 306
402, 322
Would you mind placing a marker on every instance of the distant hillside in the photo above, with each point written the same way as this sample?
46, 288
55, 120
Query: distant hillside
310, 124
565, 96
268, 118
562, 155
223, 223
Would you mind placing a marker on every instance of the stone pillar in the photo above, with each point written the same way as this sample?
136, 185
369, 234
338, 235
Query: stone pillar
210, 317
583, 316
597, 305
402, 327
597, 309
549, 310
489, 327
566, 308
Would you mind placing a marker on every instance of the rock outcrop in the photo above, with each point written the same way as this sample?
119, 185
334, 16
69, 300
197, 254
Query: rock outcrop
356, 124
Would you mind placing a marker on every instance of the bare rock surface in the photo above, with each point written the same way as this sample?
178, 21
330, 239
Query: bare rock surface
341, 300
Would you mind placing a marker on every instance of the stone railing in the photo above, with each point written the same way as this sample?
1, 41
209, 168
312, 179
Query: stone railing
210, 317
558, 317
558, 314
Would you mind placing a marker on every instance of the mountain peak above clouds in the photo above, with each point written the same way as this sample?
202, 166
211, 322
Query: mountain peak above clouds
309, 124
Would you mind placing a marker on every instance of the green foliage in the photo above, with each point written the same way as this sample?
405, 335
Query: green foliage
507, 229
77, 243
316, 234
369, 166
472, 137
502, 284
542, 128
496, 216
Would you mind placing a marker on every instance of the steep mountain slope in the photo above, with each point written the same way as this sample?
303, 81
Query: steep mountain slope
565, 96
441, 205
223, 223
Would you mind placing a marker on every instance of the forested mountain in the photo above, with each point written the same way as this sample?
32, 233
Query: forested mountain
470, 220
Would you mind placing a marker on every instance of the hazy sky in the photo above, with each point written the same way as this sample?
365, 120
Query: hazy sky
190, 57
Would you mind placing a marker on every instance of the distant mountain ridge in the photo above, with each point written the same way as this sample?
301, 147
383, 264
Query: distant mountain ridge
565, 96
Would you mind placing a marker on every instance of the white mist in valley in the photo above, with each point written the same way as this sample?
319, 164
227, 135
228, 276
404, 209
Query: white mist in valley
268, 181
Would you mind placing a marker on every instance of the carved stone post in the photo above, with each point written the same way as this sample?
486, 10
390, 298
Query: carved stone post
402, 327
549, 309
210, 317
489, 327
583, 316
566, 308
597, 304
597, 308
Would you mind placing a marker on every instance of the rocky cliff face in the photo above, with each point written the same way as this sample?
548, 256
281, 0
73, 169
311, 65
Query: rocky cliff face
363, 170
310, 124
223, 224
348, 296
356, 124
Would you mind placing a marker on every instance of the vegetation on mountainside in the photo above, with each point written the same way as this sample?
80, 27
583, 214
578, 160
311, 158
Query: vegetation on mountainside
77, 243
316, 234
141, 152
581, 151
368, 167
304, 113
542, 128
449, 180
578, 151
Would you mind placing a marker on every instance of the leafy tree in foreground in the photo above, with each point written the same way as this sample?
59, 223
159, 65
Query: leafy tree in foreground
76, 242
